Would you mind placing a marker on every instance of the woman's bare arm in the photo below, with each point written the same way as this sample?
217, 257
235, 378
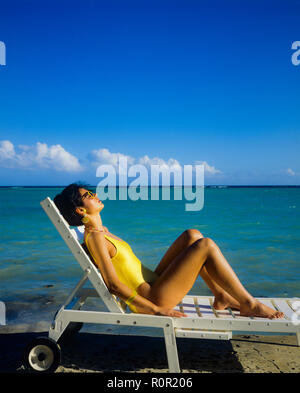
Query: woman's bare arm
97, 246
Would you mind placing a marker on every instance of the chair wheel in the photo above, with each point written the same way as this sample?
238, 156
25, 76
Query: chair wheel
42, 355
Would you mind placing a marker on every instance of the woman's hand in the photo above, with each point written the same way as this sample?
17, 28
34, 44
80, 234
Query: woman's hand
169, 312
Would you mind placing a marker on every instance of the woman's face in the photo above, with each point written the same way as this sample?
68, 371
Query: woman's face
90, 201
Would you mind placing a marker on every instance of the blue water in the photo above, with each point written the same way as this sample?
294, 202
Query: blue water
257, 229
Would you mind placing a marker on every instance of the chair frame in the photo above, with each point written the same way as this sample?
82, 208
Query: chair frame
203, 322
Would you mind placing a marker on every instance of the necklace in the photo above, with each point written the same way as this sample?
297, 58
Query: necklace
88, 229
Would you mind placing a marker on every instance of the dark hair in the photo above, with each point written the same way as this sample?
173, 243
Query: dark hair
67, 201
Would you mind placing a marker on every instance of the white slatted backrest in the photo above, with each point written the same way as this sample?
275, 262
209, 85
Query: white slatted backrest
73, 240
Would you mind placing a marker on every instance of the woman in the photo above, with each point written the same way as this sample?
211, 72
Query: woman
160, 291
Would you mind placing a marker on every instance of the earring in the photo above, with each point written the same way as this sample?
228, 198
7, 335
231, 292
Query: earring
85, 219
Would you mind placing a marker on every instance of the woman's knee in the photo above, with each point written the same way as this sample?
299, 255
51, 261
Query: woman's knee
205, 243
192, 235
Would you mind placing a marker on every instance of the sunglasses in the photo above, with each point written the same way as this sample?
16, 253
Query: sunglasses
89, 195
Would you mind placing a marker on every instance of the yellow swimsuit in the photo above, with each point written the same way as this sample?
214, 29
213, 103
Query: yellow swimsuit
129, 268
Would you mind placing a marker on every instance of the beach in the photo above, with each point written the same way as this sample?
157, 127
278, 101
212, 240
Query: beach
102, 353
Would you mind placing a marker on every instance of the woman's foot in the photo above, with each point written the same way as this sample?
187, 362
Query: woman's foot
224, 300
257, 309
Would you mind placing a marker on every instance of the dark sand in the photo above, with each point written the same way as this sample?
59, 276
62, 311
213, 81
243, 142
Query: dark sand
90, 352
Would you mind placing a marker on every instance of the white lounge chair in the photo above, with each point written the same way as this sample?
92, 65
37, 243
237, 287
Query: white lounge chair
203, 320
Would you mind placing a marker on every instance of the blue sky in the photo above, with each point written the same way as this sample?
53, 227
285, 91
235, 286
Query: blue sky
171, 82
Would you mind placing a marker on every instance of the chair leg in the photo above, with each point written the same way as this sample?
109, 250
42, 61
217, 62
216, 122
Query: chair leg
171, 349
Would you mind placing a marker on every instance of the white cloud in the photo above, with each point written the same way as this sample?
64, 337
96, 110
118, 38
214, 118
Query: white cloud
105, 157
39, 156
208, 169
57, 158
171, 164
290, 172
7, 150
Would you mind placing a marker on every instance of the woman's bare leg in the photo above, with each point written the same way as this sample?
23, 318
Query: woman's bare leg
188, 237
222, 298
219, 269
179, 276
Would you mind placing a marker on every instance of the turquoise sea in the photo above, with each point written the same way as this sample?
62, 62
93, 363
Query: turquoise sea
257, 228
